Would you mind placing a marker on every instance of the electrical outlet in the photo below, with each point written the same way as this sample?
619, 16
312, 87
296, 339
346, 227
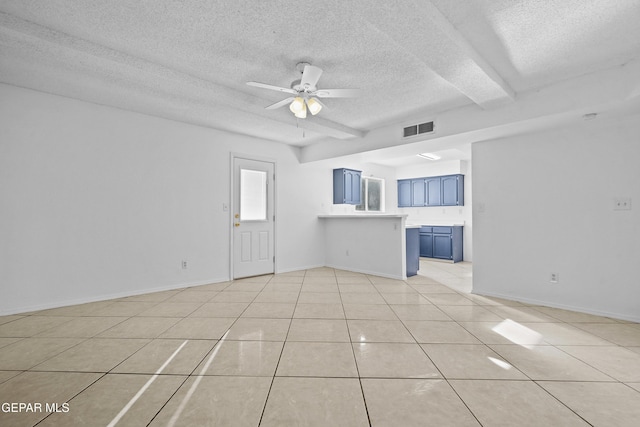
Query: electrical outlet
622, 204
347, 252
184, 264
555, 278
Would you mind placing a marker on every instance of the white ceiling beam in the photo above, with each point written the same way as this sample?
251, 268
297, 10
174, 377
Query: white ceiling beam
439, 45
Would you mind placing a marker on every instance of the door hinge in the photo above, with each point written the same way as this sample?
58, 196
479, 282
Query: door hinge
274, 258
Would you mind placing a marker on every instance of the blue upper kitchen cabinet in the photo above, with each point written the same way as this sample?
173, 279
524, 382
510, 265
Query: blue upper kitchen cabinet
418, 195
445, 190
434, 191
346, 186
404, 193
452, 190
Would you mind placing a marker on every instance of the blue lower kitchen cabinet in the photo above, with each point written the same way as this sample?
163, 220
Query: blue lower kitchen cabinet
441, 242
426, 241
413, 251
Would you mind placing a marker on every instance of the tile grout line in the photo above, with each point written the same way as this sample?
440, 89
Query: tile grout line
145, 387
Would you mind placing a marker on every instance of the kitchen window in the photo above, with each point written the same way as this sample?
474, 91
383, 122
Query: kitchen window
372, 191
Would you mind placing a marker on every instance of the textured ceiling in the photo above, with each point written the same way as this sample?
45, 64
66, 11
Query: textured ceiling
189, 61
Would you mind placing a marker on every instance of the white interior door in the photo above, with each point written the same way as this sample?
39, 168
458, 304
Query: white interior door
253, 218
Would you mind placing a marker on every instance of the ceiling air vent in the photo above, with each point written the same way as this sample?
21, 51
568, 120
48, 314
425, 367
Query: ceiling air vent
411, 131
418, 129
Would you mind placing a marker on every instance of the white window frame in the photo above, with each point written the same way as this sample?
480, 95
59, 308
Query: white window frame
364, 206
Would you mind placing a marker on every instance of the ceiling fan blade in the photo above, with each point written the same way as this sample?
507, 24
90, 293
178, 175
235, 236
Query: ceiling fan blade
280, 103
271, 87
337, 93
310, 76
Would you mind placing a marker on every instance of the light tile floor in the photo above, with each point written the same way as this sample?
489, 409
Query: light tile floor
320, 347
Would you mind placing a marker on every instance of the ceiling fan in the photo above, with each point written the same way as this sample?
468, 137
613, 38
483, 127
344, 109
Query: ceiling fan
305, 92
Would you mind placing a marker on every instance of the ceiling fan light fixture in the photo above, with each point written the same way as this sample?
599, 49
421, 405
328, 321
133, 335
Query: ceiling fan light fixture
314, 106
302, 114
297, 105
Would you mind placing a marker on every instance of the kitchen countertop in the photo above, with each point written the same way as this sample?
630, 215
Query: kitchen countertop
362, 216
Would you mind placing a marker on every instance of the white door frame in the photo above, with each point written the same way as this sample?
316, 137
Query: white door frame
233, 156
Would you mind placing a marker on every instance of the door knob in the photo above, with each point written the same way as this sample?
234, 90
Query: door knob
237, 224
237, 215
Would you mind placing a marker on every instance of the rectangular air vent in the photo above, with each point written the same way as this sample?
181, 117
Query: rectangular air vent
418, 129
425, 127
411, 131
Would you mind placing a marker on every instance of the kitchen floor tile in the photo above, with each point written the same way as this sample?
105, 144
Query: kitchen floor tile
565, 334
364, 288
315, 402
257, 329
617, 362
449, 299
312, 359
43, 388
245, 286
242, 358
31, 325
284, 286
469, 313
124, 308
369, 311
319, 311
100, 405
378, 331
93, 355
140, 327
319, 286
400, 298
7, 319
601, 404
150, 358
362, 298
171, 309
83, 327
618, 333
205, 328
317, 330
220, 309
415, 402
240, 296
277, 310
469, 361
385, 360
216, 401
514, 403
327, 347
190, 295
29, 352
439, 332
271, 296
319, 298
548, 363
418, 312
6, 375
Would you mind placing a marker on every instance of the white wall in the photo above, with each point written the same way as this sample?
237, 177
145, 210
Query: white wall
445, 214
543, 203
372, 244
97, 202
